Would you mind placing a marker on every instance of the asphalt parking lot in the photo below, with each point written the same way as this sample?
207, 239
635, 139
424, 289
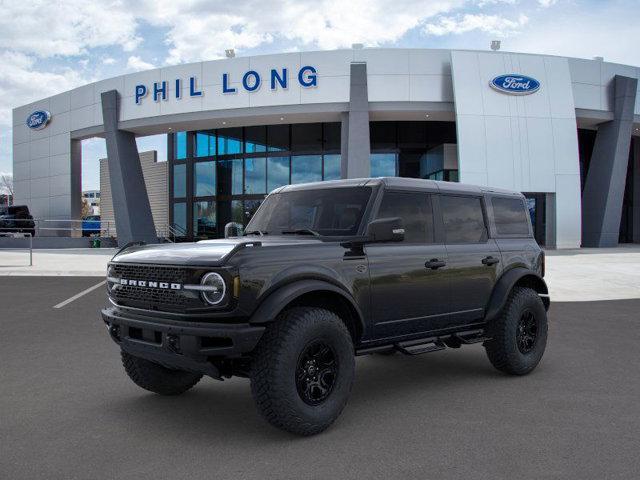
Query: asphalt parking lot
67, 410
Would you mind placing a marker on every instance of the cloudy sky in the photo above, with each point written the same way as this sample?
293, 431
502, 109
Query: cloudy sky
47, 47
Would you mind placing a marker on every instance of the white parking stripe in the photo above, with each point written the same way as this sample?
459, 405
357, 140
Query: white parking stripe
77, 296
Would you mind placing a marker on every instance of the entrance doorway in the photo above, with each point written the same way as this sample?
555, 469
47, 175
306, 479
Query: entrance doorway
537, 203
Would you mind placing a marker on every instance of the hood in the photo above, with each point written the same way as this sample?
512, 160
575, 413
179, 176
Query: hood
205, 252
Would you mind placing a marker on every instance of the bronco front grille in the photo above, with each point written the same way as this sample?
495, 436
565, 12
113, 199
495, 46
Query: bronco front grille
148, 296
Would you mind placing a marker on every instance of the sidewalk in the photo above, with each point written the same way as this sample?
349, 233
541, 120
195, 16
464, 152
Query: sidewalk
90, 262
572, 275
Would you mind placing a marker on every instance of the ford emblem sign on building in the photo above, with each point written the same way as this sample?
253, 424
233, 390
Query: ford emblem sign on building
38, 119
515, 84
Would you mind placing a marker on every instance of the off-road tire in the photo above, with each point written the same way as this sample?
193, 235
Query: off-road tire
156, 378
502, 350
275, 366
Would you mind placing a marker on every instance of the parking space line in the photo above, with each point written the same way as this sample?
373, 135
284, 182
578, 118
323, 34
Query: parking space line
77, 296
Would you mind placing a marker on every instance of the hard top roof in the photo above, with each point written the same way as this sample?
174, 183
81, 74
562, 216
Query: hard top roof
399, 182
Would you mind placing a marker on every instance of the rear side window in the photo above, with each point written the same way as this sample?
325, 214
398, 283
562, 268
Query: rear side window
415, 211
463, 219
510, 216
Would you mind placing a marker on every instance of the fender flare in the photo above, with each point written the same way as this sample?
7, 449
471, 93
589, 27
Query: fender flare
505, 284
273, 304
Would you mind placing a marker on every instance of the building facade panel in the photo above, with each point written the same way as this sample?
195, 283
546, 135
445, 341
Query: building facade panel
525, 142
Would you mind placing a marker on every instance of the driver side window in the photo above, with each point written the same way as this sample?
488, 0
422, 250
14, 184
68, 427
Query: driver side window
415, 211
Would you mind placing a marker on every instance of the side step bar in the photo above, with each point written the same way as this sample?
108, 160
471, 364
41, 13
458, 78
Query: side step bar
429, 344
419, 348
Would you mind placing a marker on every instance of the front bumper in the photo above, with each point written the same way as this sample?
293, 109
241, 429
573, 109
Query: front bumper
183, 345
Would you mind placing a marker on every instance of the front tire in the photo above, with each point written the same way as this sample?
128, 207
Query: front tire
302, 371
156, 378
519, 335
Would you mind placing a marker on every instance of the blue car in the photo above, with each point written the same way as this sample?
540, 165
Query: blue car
91, 225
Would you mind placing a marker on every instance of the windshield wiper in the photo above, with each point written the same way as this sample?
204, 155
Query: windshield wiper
301, 231
256, 232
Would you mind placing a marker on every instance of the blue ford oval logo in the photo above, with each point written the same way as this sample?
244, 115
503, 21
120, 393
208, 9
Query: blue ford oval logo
38, 119
515, 84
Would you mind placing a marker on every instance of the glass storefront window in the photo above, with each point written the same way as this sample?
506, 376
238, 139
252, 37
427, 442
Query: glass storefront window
250, 207
180, 216
180, 180
306, 168
306, 137
229, 141
237, 211
332, 166
205, 144
331, 132
255, 139
277, 172
383, 164
230, 177
204, 179
255, 176
278, 137
204, 219
180, 146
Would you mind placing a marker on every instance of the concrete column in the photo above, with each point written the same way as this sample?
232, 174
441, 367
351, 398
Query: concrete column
604, 188
131, 207
355, 157
636, 189
344, 145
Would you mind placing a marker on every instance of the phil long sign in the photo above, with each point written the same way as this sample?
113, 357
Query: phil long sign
250, 81
515, 84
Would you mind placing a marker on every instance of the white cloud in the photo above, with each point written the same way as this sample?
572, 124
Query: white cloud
547, 3
135, 63
21, 83
324, 24
46, 28
108, 61
491, 24
587, 37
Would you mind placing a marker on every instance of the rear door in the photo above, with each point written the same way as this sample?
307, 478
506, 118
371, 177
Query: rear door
407, 295
474, 258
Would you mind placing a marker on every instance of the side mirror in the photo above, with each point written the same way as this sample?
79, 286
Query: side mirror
385, 230
233, 229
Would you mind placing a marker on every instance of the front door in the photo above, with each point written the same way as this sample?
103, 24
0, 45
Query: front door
474, 259
409, 283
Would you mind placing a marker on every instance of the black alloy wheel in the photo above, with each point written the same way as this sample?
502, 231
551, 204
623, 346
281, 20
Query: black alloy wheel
316, 373
527, 332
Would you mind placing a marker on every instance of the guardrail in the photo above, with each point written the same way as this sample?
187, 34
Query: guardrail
171, 232
44, 227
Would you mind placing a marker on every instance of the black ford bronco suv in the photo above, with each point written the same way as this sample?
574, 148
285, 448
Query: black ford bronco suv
327, 271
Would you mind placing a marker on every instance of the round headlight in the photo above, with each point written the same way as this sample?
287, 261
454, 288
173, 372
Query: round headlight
214, 288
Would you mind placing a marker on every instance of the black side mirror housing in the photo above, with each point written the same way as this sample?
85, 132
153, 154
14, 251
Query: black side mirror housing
385, 230
233, 229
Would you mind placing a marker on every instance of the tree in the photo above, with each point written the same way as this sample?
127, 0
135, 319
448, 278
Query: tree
86, 208
6, 186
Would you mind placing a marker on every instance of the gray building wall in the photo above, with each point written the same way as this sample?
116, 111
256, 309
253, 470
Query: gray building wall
156, 180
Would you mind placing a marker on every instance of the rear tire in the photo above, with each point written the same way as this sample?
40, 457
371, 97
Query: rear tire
156, 378
519, 335
302, 371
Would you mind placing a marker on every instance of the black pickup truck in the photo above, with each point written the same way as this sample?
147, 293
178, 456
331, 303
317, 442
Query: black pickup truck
325, 272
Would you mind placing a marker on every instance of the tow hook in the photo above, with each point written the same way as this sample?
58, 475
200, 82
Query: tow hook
114, 331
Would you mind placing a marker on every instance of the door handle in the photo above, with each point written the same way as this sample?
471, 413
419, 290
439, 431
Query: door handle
435, 264
488, 261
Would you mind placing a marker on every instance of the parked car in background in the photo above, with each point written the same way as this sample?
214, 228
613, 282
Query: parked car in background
91, 225
17, 219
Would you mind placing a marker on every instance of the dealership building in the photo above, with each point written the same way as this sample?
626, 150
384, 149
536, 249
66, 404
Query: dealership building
564, 131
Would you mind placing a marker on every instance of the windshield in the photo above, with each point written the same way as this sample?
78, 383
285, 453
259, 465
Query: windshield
333, 212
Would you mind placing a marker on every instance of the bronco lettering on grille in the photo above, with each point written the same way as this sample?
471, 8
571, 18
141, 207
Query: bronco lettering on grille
150, 284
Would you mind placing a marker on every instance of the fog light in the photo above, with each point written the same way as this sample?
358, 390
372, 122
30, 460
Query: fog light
214, 288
